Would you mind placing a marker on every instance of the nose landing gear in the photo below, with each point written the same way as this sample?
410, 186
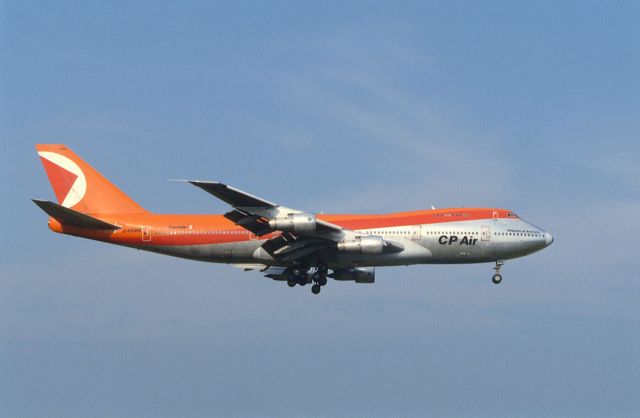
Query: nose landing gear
497, 278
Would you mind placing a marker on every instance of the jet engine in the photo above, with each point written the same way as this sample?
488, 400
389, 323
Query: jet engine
294, 222
363, 245
357, 274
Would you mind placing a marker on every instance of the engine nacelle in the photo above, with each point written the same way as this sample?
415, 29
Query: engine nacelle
363, 245
294, 222
358, 274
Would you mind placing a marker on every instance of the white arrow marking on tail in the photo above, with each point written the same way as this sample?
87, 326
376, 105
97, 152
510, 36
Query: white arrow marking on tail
79, 188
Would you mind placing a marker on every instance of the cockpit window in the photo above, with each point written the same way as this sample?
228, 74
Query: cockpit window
511, 215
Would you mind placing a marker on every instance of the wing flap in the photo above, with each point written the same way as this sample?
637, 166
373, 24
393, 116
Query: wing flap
301, 252
288, 247
277, 243
257, 224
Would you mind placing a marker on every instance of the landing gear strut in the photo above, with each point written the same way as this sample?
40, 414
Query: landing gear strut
319, 278
323, 269
497, 278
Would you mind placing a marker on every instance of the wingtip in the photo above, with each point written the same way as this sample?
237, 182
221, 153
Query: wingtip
197, 181
206, 182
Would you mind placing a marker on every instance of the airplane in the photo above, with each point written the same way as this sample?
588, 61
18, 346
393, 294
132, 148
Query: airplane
285, 244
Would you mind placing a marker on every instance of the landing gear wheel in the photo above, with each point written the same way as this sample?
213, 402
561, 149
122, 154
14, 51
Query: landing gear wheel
315, 289
319, 278
291, 283
497, 278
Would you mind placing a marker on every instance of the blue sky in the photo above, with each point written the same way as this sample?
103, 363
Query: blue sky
366, 107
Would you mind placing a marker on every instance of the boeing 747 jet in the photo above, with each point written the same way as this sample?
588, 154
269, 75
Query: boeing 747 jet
285, 244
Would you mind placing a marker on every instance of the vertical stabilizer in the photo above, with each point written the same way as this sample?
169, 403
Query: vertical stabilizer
79, 186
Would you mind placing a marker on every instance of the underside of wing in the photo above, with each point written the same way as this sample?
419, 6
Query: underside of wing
288, 247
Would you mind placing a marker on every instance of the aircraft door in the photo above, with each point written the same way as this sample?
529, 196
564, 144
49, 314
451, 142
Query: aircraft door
485, 233
415, 233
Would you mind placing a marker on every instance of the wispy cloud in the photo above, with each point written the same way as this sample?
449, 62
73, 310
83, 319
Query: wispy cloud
411, 129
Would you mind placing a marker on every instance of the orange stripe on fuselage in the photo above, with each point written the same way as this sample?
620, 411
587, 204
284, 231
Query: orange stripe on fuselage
216, 229
414, 218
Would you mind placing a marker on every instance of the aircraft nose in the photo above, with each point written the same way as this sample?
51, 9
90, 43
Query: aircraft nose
548, 238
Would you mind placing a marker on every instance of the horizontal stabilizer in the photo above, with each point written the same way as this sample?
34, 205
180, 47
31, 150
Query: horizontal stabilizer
71, 217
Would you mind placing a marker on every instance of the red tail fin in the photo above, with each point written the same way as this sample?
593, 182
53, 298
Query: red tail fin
79, 186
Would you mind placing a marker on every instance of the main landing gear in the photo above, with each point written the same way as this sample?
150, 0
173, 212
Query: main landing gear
297, 276
319, 278
497, 278
300, 276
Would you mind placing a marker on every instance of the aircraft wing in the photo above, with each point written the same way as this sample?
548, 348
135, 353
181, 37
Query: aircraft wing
263, 217
301, 234
254, 213
231, 195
